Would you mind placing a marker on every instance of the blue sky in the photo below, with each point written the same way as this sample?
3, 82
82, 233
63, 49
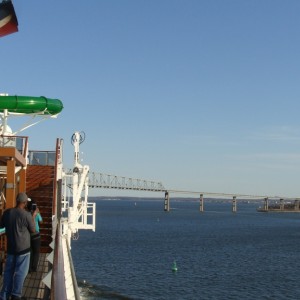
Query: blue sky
201, 95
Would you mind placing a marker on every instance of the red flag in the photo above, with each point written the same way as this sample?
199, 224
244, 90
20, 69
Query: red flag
8, 18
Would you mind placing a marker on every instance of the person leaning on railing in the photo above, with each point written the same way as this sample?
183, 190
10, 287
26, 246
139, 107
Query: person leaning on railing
18, 224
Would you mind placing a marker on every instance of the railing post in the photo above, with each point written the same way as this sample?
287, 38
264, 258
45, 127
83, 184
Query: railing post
167, 201
201, 203
234, 206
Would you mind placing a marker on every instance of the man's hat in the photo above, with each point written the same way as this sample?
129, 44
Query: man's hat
22, 197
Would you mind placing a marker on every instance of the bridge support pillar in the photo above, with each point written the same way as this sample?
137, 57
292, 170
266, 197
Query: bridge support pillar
281, 204
234, 206
201, 203
266, 205
167, 202
296, 205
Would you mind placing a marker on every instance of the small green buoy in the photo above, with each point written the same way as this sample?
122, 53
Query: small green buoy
174, 267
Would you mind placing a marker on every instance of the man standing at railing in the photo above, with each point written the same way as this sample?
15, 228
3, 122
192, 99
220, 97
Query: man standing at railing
18, 223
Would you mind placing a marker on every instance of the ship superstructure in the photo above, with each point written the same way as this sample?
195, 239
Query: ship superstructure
60, 193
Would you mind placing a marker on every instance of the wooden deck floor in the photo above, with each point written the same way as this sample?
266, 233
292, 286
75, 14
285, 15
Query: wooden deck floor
34, 288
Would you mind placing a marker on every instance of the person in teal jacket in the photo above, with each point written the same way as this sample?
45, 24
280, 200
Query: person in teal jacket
35, 237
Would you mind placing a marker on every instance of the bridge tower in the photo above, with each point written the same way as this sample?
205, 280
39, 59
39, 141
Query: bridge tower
167, 201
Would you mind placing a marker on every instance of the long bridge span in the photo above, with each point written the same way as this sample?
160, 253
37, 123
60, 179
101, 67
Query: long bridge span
108, 181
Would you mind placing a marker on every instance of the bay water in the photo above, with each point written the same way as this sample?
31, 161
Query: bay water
219, 254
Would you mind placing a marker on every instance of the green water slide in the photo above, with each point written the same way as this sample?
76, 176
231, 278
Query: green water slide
30, 105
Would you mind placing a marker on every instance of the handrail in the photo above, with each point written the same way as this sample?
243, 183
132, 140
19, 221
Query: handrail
76, 290
58, 279
58, 285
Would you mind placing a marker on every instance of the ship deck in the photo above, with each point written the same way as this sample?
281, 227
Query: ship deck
34, 288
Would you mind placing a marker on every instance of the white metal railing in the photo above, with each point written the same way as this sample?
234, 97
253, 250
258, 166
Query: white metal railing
18, 142
42, 158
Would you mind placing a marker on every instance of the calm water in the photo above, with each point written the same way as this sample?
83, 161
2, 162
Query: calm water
220, 255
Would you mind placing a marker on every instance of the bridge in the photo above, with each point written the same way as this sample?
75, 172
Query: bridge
108, 181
